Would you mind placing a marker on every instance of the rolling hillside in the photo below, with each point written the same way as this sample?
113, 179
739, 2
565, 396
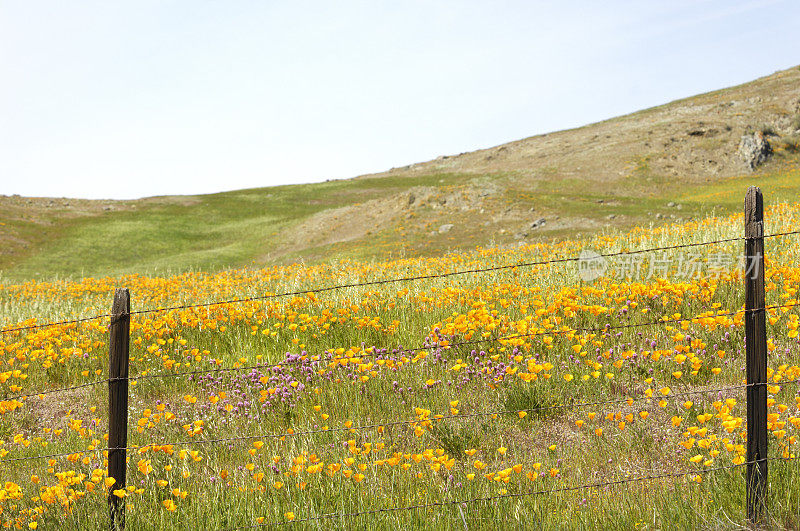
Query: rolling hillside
668, 163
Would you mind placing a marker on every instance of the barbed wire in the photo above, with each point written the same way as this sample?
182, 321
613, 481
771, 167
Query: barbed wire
406, 422
298, 361
431, 276
417, 420
57, 323
59, 390
606, 328
390, 281
775, 235
508, 495
78, 454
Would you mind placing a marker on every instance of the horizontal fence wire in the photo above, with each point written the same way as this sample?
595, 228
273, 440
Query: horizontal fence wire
418, 420
58, 390
431, 276
606, 328
267, 366
406, 422
390, 281
559, 490
56, 323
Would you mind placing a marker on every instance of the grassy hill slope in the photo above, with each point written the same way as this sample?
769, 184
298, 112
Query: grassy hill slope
668, 163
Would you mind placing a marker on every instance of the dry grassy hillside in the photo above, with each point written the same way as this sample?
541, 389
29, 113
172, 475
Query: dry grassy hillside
692, 140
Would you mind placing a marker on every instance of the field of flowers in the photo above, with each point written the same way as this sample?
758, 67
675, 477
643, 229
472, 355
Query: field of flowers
433, 393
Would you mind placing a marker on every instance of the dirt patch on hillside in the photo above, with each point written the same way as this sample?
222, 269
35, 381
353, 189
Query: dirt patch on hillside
169, 200
360, 220
427, 218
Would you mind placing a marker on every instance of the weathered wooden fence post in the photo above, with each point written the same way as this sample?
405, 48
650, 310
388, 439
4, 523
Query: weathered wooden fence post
755, 330
118, 402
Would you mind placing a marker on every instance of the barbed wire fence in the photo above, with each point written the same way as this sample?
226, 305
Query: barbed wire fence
755, 388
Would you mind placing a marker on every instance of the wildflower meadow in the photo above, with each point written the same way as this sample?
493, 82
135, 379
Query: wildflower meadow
523, 395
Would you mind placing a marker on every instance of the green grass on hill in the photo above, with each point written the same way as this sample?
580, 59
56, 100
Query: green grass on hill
241, 228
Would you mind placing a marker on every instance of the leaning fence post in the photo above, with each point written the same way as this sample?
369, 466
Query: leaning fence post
755, 330
118, 403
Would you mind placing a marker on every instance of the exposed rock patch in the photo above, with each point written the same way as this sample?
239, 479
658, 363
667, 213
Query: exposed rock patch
538, 223
754, 149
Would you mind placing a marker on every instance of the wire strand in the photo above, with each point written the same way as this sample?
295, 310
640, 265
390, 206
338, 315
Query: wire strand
57, 323
408, 422
390, 281
506, 496
418, 420
448, 346
428, 277
397, 351
59, 390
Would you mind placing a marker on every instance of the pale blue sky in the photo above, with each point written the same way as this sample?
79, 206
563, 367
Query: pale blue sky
105, 99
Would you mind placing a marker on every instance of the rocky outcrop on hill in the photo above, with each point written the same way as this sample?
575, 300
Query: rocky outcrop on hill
754, 149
